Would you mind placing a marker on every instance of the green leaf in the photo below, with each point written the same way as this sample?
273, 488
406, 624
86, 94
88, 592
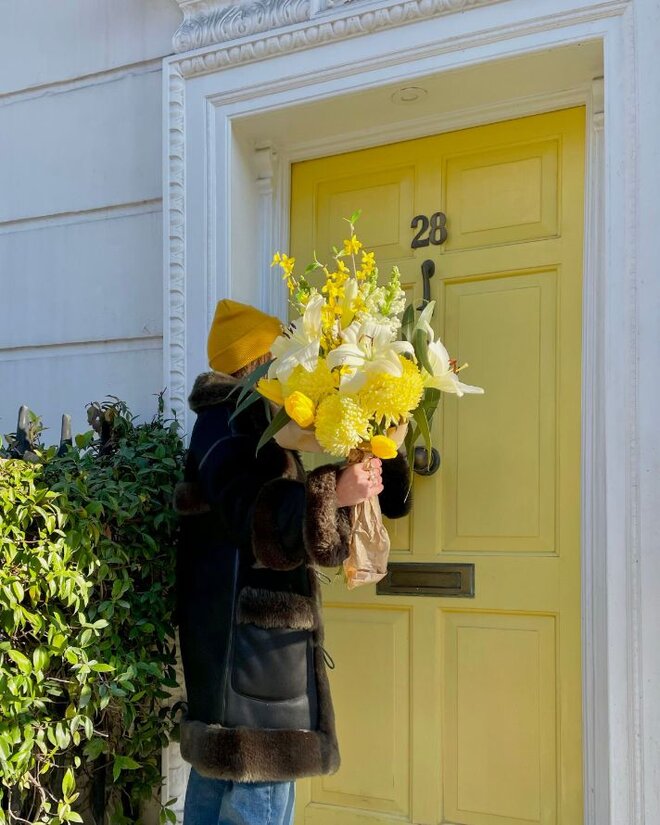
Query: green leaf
250, 380
68, 783
411, 437
123, 763
40, 658
102, 667
280, 420
21, 660
245, 403
5, 748
430, 402
421, 345
94, 748
422, 422
355, 217
408, 323
85, 696
62, 737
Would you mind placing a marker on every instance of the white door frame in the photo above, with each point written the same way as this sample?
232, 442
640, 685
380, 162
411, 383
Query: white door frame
214, 185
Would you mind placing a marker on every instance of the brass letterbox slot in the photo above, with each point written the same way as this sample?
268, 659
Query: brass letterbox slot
441, 579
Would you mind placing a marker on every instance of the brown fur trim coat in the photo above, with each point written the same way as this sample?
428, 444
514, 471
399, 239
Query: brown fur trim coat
254, 527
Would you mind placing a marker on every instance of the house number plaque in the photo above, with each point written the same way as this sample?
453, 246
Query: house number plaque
430, 230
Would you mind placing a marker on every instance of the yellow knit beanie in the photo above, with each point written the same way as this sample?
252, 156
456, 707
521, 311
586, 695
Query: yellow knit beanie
239, 334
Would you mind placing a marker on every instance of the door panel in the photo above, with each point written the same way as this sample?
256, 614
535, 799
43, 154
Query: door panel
506, 195
499, 493
385, 198
375, 647
455, 710
499, 766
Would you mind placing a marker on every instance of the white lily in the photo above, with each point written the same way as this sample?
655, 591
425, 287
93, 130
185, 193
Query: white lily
367, 347
424, 321
301, 344
444, 378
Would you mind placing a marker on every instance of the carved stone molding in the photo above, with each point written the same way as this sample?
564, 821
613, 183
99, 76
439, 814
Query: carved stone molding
208, 23
175, 227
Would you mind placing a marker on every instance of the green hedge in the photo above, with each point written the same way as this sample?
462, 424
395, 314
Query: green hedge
87, 557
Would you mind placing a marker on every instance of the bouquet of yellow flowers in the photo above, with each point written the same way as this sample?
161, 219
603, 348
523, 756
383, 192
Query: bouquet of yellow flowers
353, 375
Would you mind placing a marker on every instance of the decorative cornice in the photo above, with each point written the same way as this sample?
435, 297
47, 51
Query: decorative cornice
208, 23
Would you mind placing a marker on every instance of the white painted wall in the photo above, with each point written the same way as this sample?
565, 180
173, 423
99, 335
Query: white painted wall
80, 204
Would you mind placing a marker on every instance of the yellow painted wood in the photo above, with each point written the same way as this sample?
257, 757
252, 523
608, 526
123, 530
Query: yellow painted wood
468, 711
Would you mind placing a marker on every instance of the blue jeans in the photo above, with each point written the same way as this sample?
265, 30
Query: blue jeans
218, 802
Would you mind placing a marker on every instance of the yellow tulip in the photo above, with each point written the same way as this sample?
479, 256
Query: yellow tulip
383, 447
300, 408
271, 389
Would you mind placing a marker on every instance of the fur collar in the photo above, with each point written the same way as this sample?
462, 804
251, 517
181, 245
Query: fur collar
211, 388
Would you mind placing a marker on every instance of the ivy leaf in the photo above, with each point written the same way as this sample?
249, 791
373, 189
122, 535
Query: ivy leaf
123, 763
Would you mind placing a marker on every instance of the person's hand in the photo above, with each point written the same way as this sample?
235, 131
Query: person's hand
358, 482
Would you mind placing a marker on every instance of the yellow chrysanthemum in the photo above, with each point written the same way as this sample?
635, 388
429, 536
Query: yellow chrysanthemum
341, 424
390, 398
315, 385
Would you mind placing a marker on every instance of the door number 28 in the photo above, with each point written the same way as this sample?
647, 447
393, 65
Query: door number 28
429, 230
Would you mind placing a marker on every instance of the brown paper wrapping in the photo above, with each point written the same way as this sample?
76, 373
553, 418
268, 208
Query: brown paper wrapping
369, 547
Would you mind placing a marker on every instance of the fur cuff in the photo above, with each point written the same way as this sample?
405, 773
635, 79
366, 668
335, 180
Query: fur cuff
188, 499
327, 528
257, 755
273, 608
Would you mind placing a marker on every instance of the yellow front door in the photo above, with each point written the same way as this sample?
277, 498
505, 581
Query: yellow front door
468, 709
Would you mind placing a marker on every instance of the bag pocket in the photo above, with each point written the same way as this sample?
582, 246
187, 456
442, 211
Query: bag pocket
271, 664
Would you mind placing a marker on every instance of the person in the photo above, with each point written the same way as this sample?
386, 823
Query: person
254, 529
